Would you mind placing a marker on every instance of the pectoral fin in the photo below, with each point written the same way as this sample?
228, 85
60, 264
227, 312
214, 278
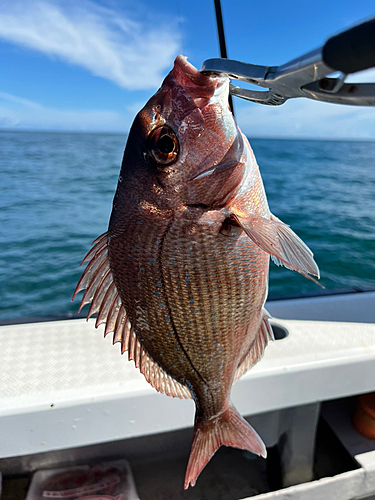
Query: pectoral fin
277, 239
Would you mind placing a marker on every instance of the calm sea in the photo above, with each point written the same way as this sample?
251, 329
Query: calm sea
56, 196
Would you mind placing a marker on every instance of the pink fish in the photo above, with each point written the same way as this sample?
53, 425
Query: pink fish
181, 276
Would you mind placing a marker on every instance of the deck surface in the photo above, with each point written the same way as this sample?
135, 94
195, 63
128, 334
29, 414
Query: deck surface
63, 385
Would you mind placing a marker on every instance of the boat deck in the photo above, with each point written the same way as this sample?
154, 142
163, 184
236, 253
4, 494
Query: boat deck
67, 395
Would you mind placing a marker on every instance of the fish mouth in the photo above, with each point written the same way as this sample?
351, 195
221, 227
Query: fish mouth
192, 73
201, 88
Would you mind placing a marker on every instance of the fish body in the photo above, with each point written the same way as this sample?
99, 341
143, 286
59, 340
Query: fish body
181, 276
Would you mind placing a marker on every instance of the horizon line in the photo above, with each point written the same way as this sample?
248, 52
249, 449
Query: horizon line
251, 137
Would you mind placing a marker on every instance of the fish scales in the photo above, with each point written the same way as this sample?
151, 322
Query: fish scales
140, 277
211, 304
179, 283
181, 276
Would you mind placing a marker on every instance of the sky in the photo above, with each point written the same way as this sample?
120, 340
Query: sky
92, 65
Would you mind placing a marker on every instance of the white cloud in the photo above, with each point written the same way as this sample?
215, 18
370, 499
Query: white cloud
305, 118
16, 112
108, 43
300, 118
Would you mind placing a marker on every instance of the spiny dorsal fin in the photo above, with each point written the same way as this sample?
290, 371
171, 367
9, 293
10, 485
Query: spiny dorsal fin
101, 292
257, 347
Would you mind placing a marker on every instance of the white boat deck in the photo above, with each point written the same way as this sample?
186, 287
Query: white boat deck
63, 386
352, 307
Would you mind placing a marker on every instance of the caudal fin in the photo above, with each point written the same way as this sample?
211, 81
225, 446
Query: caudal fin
228, 429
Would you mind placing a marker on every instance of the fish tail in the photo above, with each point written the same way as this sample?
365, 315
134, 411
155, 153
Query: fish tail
229, 429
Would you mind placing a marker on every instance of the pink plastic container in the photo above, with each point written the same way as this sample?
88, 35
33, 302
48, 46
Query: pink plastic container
102, 481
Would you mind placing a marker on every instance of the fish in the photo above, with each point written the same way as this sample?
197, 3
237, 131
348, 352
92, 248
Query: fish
181, 276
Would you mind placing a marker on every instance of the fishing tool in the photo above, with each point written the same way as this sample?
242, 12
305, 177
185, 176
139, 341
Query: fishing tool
312, 75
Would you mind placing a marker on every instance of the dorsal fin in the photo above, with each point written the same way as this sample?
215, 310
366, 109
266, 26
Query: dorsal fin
101, 292
257, 347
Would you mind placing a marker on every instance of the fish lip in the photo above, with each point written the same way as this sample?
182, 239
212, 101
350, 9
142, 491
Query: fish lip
201, 88
193, 74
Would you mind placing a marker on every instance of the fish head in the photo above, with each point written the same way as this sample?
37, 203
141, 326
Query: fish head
184, 146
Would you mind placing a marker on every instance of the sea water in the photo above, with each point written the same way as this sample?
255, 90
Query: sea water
57, 191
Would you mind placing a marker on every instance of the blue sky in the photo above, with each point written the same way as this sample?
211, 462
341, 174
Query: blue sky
91, 65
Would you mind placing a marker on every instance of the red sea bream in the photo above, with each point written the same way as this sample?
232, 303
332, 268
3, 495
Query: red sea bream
181, 276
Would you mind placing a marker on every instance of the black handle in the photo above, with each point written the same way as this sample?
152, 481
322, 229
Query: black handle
353, 50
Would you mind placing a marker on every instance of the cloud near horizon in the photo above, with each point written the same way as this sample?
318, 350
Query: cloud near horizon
108, 43
298, 118
306, 118
309, 120
19, 113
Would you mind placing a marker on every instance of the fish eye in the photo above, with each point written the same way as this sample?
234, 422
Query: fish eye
163, 145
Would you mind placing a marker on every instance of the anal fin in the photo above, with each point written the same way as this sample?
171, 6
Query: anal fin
257, 348
155, 375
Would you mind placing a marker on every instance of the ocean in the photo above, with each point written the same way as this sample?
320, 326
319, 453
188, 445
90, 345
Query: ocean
56, 197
